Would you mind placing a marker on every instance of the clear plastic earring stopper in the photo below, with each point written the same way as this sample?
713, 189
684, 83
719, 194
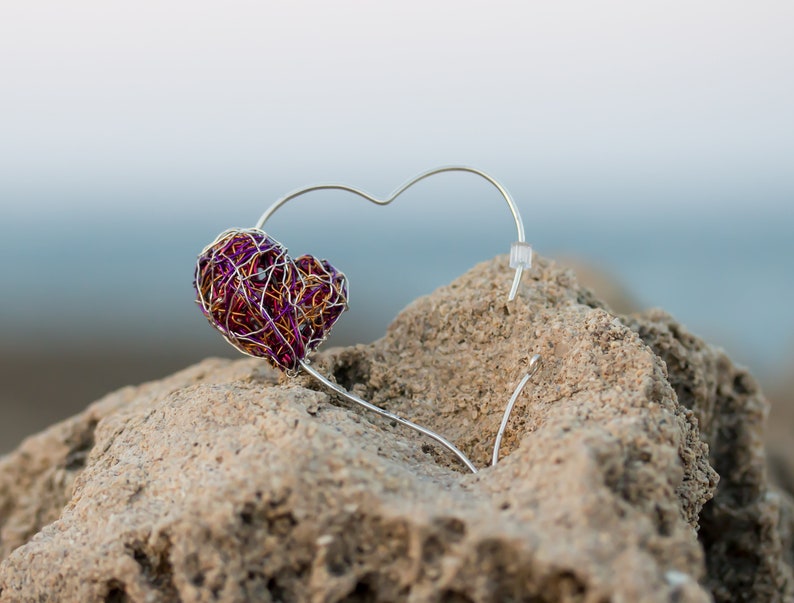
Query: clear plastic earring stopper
521, 255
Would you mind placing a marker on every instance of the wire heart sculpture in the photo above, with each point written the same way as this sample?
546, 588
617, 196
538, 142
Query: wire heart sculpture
265, 303
271, 306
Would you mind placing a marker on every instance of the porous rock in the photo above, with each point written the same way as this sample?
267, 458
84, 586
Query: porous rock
225, 482
745, 529
780, 450
780, 443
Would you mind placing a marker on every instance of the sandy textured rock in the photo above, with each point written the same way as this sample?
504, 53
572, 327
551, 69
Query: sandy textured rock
222, 483
781, 429
780, 447
741, 528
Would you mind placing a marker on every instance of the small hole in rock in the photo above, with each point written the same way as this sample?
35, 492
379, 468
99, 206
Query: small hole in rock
740, 385
363, 592
78, 453
117, 592
247, 514
277, 592
432, 549
351, 369
452, 596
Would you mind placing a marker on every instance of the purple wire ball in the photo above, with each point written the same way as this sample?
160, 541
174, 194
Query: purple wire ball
265, 303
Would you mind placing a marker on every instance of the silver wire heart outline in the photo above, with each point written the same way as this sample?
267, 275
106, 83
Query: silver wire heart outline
520, 258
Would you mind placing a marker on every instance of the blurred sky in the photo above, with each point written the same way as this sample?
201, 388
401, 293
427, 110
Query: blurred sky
649, 137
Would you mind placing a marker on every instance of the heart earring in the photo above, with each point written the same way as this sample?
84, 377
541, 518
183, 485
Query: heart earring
269, 305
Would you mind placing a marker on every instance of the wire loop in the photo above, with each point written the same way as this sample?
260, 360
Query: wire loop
519, 268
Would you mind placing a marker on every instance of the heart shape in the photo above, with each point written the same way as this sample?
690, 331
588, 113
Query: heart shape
265, 303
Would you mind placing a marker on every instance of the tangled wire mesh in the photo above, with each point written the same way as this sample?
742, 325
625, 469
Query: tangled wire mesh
265, 303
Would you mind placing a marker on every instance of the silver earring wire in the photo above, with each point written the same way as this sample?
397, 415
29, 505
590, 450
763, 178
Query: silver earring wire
520, 258
520, 251
389, 415
534, 365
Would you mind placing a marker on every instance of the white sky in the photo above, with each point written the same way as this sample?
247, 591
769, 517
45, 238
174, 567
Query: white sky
618, 101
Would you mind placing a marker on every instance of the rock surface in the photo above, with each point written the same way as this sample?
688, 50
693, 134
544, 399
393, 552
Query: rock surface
779, 435
780, 446
226, 482
747, 542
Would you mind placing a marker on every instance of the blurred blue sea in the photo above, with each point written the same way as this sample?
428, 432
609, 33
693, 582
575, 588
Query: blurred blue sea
124, 280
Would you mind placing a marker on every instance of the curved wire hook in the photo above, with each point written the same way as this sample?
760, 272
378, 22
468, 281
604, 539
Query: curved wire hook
520, 251
534, 365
